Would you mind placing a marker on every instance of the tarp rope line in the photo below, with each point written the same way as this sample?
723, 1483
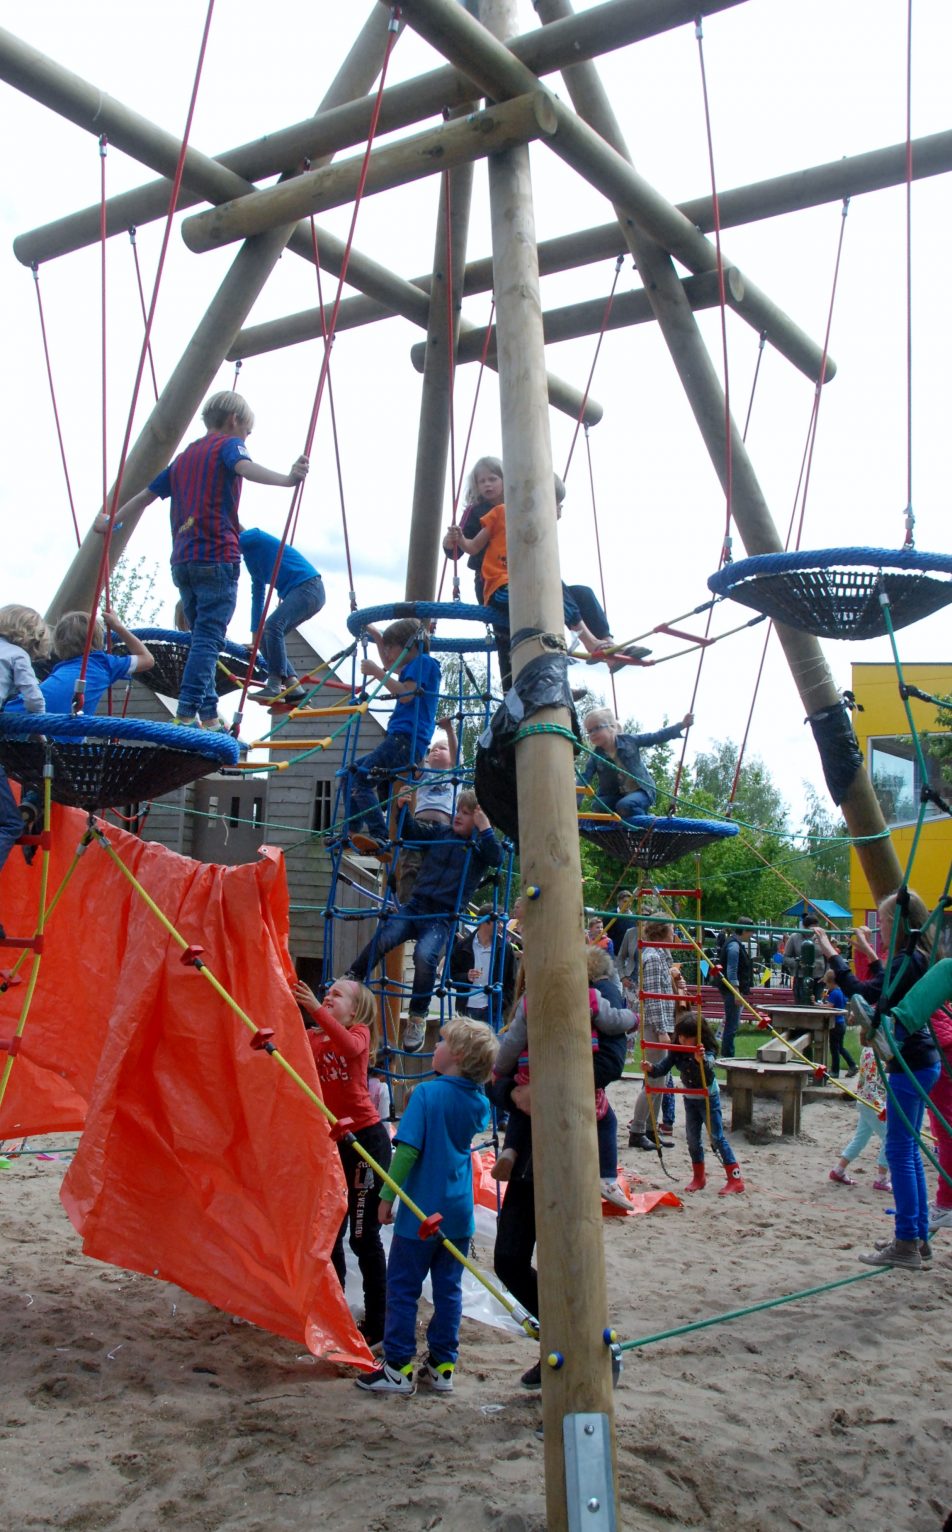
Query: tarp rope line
145, 316
351, 592
261, 1042
56, 417
103, 576
751, 1308
458, 486
329, 336
11, 1046
806, 465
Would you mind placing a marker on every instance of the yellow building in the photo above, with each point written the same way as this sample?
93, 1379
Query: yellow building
882, 729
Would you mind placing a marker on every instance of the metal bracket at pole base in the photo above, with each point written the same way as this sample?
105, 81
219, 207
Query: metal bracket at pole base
589, 1483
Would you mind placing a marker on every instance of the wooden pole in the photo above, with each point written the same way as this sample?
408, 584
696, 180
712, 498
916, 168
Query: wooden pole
604, 27
436, 403
805, 657
498, 73
512, 122
183, 393
565, 1167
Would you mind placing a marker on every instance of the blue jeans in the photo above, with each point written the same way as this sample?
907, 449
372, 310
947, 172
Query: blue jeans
838, 1048
868, 1122
410, 1261
638, 802
394, 752
11, 824
731, 1023
695, 1121
304, 601
902, 1152
432, 933
606, 1132
209, 594
580, 604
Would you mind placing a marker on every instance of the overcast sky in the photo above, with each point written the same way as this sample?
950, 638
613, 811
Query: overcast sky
789, 87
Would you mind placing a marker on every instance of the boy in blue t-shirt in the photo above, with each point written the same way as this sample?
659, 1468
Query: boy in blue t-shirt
834, 997
432, 1164
300, 591
416, 687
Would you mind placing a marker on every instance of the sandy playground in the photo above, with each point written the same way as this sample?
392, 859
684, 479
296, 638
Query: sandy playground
128, 1404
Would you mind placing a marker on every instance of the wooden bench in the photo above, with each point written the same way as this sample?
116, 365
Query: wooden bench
746, 1079
815, 1019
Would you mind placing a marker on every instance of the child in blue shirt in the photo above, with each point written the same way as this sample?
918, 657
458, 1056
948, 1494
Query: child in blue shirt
204, 486
432, 1164
416, 688
301, 595
834, 997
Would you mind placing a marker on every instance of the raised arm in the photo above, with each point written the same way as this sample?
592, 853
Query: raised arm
144, 657
131, 507
245, 468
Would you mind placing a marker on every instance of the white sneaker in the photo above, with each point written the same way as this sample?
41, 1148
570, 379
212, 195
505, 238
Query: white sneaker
939, 1218
388, 1380
612, 1192
437, 1375
414, 1034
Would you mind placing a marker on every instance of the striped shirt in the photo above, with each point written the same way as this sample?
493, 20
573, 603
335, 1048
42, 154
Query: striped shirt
204, 489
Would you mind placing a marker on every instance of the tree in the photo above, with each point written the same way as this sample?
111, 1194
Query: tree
132, 592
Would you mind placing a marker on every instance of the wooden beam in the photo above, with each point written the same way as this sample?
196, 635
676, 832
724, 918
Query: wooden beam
604, 27
571, 1261
702, 387
183, 393
473, 137
498, 73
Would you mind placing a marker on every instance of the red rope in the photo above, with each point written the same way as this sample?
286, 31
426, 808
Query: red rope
329, 337
458, 491
450, 321
56, 416
619, 262
102, 580
135, 257
722, 299
333, 409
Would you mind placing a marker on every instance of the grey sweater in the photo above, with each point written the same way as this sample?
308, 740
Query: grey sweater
17, 678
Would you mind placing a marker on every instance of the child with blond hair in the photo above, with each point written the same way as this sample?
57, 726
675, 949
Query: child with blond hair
24, 637
432, 1164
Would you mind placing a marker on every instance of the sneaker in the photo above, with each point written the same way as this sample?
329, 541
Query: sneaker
388, 1380
640, 1141
532, 1378
939, 1218
853, 1070
840, 1175
925, 1254
414, 1034
295, 696
270, 692
612, 1192
883, 1184
368, 845
437, 1375
903, 1254
187, 723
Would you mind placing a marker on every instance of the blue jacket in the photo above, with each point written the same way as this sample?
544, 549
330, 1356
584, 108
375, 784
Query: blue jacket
259, 551
453, 865
629, 772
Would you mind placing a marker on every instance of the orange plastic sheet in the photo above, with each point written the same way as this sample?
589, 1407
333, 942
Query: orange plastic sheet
485, 1190
201, 1161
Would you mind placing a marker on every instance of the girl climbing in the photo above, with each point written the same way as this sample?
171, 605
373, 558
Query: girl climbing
694, 1061
344, 1043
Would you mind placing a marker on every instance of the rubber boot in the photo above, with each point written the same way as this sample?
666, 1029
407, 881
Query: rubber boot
698, 1180
735, 1181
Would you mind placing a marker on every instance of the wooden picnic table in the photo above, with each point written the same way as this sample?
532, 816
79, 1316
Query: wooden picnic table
746, 1078
793, 1020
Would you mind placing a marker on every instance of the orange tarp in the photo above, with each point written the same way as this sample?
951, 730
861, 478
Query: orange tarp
200, 1161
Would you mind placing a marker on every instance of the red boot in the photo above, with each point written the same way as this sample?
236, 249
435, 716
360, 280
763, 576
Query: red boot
735, 1181
699, 1179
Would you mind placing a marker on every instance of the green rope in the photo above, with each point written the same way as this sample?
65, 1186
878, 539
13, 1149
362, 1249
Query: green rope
752, 1308
545, 728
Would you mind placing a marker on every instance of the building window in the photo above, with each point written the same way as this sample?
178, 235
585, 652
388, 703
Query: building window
897, 778
322, 805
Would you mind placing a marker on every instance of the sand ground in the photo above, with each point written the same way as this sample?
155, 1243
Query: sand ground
127, 1404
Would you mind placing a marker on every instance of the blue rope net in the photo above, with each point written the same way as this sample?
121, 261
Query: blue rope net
644, 841
101, 762
169, 648
836, 592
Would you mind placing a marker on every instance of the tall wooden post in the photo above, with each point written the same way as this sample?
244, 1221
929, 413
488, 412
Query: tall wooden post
433, 436
705, 395
568, 1208
188, 384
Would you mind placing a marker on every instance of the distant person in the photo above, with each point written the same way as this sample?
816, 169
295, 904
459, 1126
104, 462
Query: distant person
871, 1120
300, 592
657, 1027
735, 965
595, 936
805, 976
204, 486
697, 1072
834, 999
483, 970
24, 637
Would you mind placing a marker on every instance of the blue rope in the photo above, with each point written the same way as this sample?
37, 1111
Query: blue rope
220, 748
240, 652
908, 559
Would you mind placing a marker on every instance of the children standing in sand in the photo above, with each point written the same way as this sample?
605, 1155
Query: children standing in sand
432, 1163
871, 1105
344, 1043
